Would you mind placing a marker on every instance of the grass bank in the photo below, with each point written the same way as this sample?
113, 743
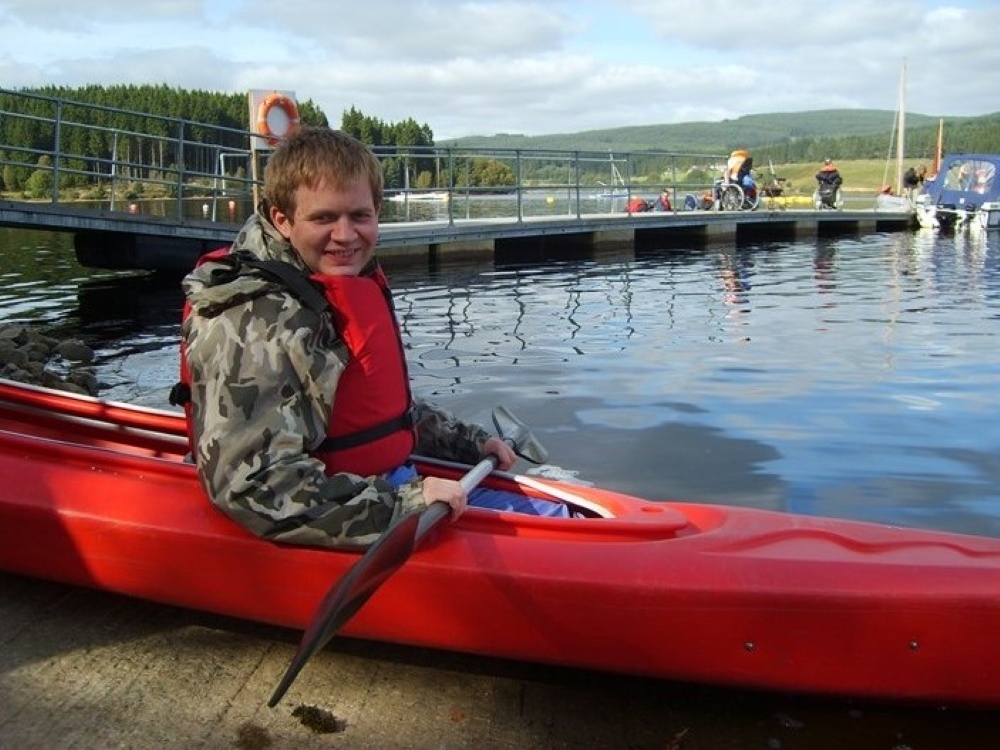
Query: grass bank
860, 176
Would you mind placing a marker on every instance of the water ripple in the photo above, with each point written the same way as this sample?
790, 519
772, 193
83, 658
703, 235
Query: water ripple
850, 376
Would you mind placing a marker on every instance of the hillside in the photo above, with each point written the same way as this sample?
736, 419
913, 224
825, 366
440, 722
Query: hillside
784, 136
750, 131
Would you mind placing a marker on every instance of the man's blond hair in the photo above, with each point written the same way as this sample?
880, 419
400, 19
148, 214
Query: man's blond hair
314, 155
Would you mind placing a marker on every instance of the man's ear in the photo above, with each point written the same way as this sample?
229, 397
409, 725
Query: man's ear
282, 222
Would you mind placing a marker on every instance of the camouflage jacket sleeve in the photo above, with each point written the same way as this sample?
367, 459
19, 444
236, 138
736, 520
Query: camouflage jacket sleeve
441, 435
263, 375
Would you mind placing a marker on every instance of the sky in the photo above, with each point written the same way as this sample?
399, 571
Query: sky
536, 67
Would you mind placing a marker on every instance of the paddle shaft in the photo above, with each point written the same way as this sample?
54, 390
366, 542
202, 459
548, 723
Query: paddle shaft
439, 510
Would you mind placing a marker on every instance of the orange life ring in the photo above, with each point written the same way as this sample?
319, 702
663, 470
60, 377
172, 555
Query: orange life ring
285, 104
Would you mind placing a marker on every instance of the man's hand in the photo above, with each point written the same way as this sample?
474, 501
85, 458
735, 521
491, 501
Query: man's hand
448, 491
502, 451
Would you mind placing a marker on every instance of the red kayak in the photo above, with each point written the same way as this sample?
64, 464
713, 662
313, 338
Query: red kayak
98, 494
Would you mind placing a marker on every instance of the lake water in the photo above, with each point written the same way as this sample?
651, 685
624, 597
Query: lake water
852, 376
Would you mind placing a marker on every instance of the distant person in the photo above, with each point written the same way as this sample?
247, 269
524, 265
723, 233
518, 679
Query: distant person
738, 167
828, 182
912, 180
829, 175
663, 202
984, 179
703, 202
739, 170
966, 180
638, 205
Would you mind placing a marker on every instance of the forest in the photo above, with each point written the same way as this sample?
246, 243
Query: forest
136, 127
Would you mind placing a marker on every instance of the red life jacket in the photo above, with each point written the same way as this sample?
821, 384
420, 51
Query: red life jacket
371, 427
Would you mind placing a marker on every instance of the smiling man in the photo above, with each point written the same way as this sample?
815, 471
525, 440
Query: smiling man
293, 372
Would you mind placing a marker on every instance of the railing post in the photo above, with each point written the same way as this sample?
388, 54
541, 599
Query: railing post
673, 183
215, 182
451, 185
114, 168
57, 148
520, 185
180, 169
576, 181
628, 176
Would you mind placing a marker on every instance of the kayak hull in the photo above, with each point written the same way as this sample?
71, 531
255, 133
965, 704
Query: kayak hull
98, 495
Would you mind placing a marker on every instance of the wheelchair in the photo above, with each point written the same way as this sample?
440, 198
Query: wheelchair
731, 196
828, 197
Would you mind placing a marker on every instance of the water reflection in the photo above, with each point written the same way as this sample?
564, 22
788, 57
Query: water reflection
824, 266
849, 376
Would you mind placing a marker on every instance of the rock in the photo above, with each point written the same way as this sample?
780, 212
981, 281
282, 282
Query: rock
75, 351
29, 355
16, 334
13, 357
85, 380
36, 351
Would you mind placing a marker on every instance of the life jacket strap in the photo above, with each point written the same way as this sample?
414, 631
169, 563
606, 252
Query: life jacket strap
405, 421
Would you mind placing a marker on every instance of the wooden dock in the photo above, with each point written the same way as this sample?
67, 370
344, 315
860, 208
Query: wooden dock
121, 240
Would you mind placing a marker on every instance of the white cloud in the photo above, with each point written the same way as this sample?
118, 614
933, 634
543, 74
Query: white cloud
528, 66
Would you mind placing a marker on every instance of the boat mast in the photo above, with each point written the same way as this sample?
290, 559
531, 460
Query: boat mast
938, 152
901, 132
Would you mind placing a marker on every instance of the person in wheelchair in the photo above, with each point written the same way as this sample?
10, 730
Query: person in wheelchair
738, 171
828, 182
738, 167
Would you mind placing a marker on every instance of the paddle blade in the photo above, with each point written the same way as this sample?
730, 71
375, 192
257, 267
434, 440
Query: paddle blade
514, 431
381, 560
351, 593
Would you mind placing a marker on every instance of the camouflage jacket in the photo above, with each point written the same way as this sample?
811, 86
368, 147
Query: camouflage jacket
264, 369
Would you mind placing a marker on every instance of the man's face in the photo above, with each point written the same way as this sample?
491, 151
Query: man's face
334, 230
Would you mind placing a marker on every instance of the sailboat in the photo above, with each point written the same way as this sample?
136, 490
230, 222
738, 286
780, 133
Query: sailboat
898, 201
617, 188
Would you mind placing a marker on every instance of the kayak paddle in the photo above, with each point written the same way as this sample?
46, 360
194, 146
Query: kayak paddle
391, 551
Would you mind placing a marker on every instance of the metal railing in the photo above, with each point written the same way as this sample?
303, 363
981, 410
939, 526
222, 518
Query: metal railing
51, 150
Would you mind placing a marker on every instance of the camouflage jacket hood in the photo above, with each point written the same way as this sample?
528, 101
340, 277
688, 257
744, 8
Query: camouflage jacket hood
212, 287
